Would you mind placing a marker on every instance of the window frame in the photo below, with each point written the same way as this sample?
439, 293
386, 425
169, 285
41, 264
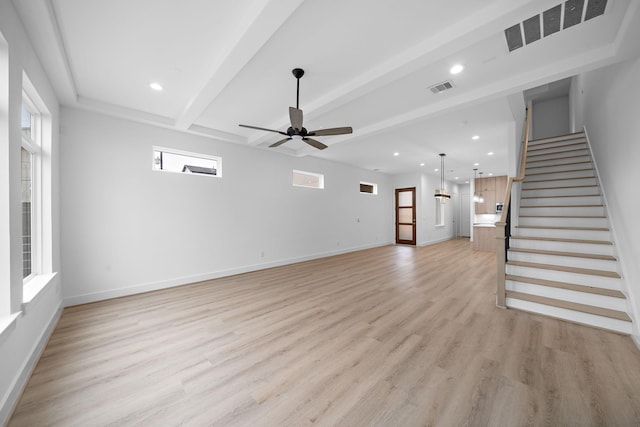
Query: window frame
439, 213
176, 152
33, 146
320, 177
374, 186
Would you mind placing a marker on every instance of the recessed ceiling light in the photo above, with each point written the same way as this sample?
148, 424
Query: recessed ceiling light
476, 164
490, 153
466, 182
475, 137
457, 177
456, 69
156, 86
490, 174
421, 164
396, 154
436, 170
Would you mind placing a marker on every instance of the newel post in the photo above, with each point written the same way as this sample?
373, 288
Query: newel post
501, 264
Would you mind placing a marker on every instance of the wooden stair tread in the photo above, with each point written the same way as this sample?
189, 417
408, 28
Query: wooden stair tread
573, 135
556, 179
543, 146
573, 150
560, 253
547, 173
556, 239
577, 270
562, 216
598, 311
569, 286
557, 164
556, 188
557, 227
555, 197
564, 206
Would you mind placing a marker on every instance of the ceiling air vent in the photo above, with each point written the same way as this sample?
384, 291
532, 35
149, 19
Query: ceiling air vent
441, 87
569, 13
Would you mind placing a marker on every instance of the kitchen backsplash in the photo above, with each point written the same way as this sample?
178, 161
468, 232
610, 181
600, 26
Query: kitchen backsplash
485, 218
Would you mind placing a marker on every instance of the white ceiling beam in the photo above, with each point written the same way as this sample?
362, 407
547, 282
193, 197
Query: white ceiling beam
492, 19
258, 29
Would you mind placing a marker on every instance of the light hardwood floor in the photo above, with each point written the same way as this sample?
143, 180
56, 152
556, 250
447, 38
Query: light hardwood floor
392, 336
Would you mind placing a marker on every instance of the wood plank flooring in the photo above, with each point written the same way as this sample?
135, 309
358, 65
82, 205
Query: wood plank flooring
391, 336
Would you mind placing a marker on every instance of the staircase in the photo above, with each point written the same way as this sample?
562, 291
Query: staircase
561, 259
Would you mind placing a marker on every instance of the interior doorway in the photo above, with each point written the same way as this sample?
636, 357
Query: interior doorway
406, 216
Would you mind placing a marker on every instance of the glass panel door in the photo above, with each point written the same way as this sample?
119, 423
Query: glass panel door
406, 216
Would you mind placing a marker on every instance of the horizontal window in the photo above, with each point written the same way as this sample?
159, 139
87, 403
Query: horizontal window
368, 188
170, 160
307, 179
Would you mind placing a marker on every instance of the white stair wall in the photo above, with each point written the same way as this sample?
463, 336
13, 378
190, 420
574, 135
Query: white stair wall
562, 259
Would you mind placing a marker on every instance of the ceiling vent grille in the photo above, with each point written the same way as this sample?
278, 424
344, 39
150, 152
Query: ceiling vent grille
441, 87
569, 13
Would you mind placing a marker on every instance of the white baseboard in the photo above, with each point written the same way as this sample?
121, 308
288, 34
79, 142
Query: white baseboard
433, 242
22, 378
154, 286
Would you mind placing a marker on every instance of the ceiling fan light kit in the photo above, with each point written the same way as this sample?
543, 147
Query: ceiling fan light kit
296, 130
441, 193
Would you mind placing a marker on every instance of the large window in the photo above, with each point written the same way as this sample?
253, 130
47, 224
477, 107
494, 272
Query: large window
439, 213
30, 175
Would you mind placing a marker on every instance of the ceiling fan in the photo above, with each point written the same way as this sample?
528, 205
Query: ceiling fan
296, 130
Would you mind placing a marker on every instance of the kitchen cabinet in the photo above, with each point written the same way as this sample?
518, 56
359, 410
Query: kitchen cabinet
492, 190
484, 238
501, 188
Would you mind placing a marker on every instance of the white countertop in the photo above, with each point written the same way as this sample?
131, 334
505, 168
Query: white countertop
484, 225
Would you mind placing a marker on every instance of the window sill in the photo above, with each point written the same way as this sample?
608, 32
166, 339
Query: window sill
35, 287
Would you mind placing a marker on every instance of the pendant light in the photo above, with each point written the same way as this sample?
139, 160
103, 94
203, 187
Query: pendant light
476, 198
480, 198
441, 193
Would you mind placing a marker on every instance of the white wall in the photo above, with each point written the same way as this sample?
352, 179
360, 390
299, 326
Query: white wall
129, 229
550, 117
24, 325
608, 106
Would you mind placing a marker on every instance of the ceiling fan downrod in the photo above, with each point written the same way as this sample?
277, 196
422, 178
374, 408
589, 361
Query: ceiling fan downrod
297, 73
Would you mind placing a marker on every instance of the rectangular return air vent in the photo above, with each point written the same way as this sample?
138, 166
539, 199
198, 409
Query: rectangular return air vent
441, 87
568, 14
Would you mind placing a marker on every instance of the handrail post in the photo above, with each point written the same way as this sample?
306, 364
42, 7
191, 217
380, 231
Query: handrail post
501, 254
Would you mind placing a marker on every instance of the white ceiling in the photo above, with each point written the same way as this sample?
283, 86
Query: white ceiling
368, 65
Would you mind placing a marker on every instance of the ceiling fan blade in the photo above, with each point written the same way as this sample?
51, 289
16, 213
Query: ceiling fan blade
317, 144
295, 115
259, 128
332, 131
279, 143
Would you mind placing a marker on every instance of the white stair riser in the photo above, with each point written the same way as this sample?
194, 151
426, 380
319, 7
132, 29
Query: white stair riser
549, 183
560, 246
596, 300
550, 160
563, 234
573, 316
567, 191
557, 140
566, 261
564, 276
555, 147
554, 201
556, 153
547, 176
567, 167
562, 211
563, 222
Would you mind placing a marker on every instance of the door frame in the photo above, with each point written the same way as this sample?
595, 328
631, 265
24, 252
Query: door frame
397, 208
